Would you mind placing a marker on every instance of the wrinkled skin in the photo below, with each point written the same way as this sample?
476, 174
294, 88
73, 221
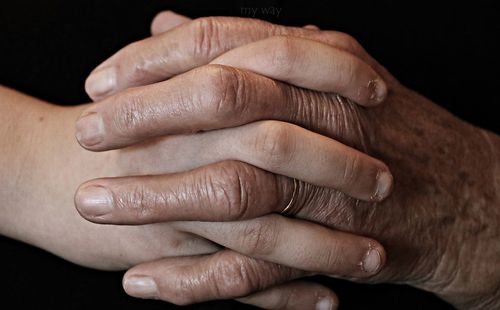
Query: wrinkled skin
440, 221
439, 226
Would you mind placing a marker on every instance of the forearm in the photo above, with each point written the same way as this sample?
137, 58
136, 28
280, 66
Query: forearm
493, 140
468, 273
24, 120
41, 166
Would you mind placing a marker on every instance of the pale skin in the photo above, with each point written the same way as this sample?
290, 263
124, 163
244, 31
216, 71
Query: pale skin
37, 200
37, 191
37, 194
119, 163
445, 217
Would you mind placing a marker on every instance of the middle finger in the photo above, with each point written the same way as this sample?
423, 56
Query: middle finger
211, 97
273, 146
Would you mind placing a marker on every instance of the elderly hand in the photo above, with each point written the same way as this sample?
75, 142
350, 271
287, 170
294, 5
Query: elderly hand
440, 226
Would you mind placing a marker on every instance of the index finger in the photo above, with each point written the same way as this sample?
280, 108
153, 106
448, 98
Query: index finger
191, 45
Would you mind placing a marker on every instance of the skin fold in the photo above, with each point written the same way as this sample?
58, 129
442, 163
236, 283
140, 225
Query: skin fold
439, 226
38, 190
37, 200
438, 230
443, 187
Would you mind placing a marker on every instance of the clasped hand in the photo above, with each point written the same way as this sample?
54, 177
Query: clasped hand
223, 122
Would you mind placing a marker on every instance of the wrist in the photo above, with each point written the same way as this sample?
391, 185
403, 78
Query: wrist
468, 275
41, 169
41, 166
59, 165
493, 141
23, 120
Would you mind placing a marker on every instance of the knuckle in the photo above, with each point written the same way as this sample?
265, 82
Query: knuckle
184, 288
284, 54
233, 276
274, 143
259, 237
224, 91
344, 213
131, 112
205, 36
348, 41
139, 66
130, 199
137, 202
230, 188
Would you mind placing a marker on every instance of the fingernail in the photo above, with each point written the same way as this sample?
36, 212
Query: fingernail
90, 129
378, 90
384, 185
94, 201
140, 286
101, 82
371, 261
324, 304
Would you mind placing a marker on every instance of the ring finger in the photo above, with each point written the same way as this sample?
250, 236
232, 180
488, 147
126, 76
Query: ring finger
277, 147
226, 275
295, 243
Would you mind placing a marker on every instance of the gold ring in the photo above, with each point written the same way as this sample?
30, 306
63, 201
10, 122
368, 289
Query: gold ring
292, 200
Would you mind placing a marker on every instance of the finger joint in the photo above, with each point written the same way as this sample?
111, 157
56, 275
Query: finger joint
274, 143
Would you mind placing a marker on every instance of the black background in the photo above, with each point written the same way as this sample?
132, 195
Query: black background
448, 52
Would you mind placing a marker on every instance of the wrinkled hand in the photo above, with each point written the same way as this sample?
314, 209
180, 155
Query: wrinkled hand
439, 226
369, 180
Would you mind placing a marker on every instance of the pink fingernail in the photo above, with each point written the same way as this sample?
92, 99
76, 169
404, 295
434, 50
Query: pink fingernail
371, 262
324, 304
90, 129
94, 201
140, 286
101, 82
384, 185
